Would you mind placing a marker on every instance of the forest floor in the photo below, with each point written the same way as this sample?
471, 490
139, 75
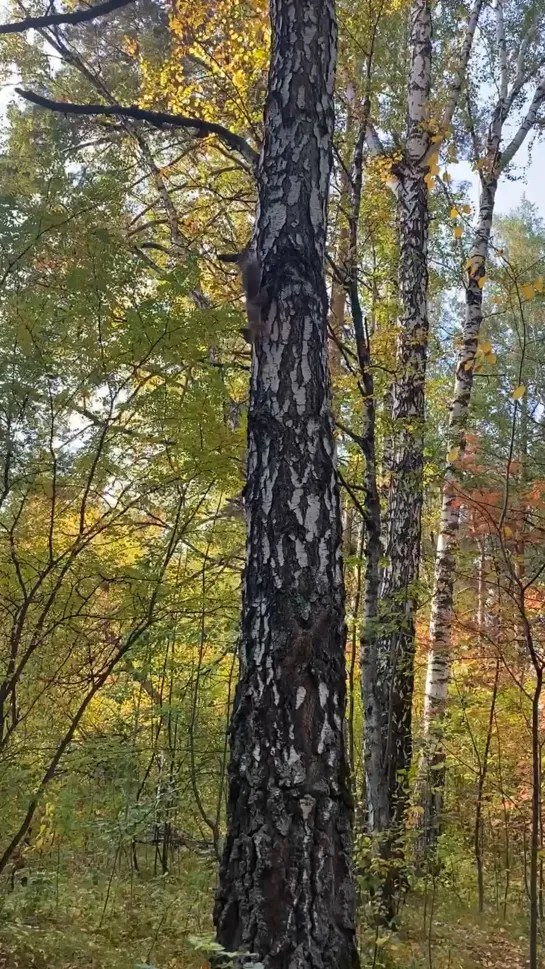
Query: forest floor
85, 925
452, 936
452, 940
462, 945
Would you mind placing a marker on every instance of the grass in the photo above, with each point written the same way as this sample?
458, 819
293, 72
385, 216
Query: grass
87, 919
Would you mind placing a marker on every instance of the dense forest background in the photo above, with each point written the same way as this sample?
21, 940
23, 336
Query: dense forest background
124, 383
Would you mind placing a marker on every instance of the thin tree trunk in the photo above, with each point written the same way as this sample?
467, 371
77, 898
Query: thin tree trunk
438, 668
353, 656
540, 845
481, 589
492, 163
372, 522
536, 808
337, 310
286, 889
537, 664
483, 771
388, 655
507, 844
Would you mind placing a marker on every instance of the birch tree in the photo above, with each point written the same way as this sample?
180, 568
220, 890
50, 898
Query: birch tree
285, 882
519, 80
388, 638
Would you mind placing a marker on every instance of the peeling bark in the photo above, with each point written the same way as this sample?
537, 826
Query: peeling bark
286, 890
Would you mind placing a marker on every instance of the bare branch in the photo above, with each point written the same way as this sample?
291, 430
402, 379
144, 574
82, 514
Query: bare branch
528, 123
465, 54
56, 19
477, 147
158, 119
519, 77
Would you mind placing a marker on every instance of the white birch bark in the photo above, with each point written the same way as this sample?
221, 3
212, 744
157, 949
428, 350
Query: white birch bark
494, 162
386, 649
441, 611
387, 655
438, 665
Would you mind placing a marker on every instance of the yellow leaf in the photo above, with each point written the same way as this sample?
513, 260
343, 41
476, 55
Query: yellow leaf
481, 281
538, 284
466, 209
486, 346
436, 139
527, 291
491, 359
468, 365
447, 177
519, 392
429, 180
507, 531
453, 212
453, 454
458, 232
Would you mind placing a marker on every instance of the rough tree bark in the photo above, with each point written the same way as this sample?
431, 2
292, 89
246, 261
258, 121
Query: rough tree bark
492, 162
286, 891
388, 642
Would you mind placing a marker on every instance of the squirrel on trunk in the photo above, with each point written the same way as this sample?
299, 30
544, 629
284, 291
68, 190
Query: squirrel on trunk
256, 295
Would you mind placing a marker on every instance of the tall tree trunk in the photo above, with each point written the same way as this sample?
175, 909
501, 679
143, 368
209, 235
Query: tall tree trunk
286, 890
388, 653
388, 639
536, 811
492, 163
438, 667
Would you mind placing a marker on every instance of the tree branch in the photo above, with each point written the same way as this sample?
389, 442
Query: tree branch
465, 54
353, 496
372, 139
519, 77
158, 119
377, 150
56, 19
502, 51
528, 123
